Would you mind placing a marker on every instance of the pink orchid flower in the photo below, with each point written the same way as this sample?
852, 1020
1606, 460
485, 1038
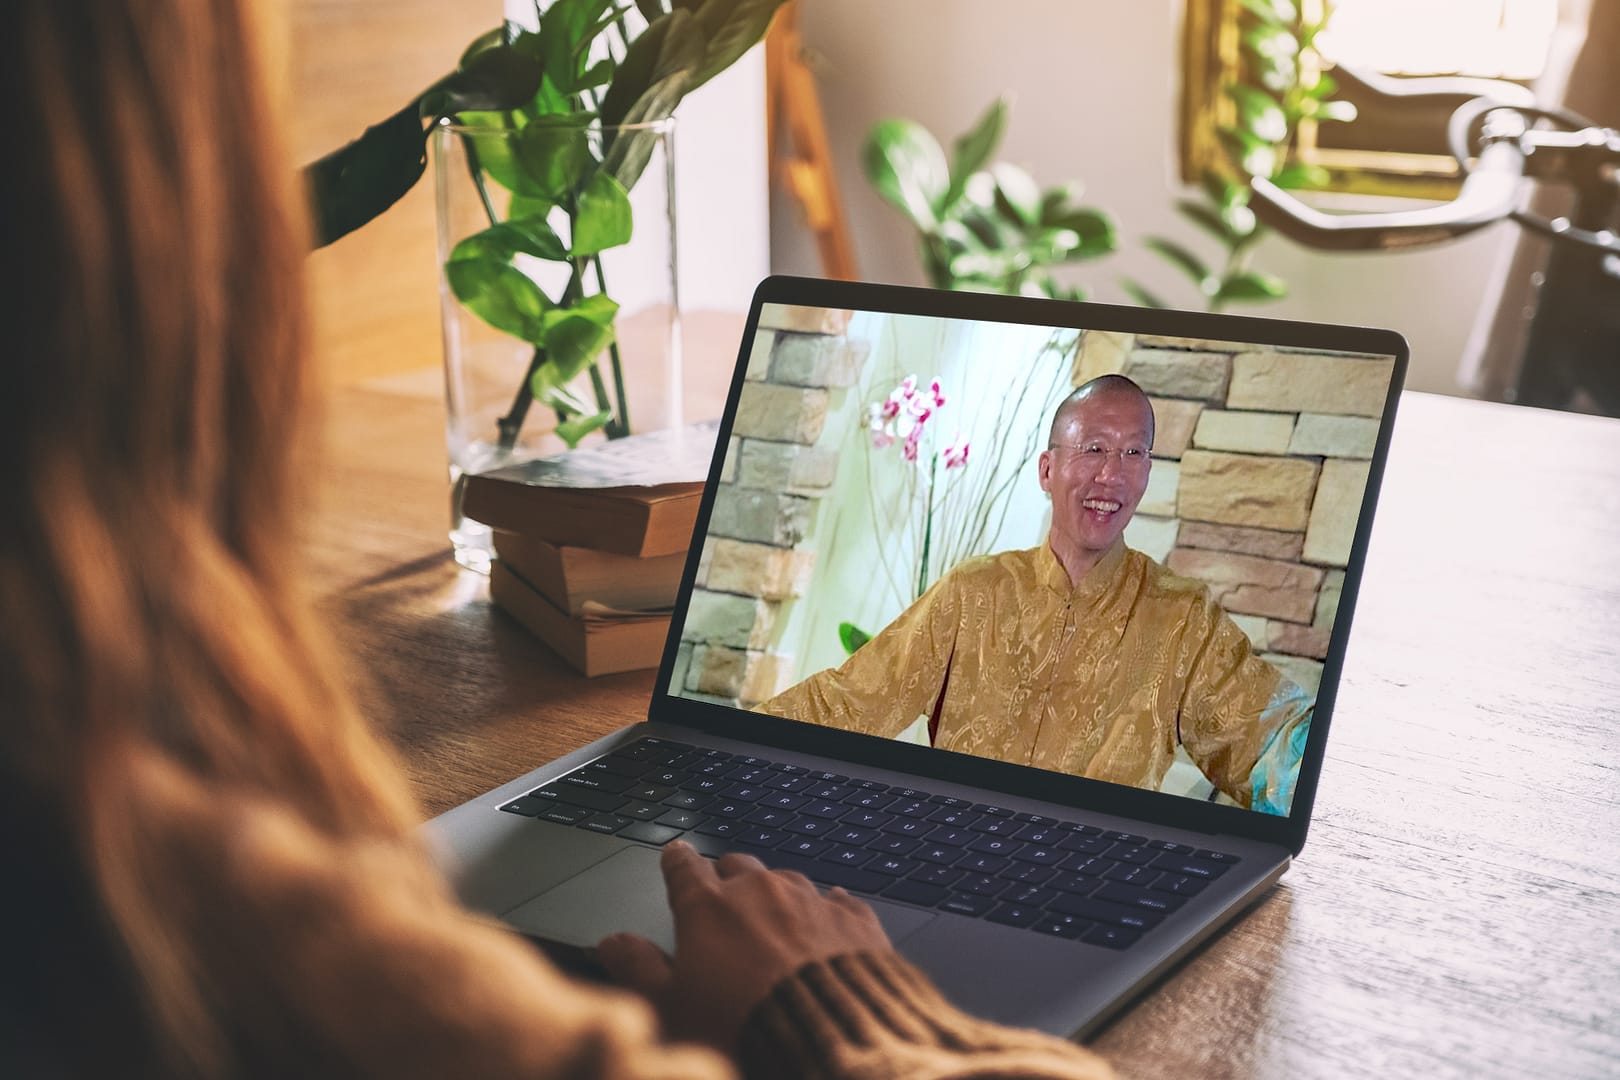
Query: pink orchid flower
956, 454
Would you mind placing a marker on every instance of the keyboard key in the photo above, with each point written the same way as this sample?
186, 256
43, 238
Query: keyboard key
995, 845
668, 777
1134, 875
829, 777
1218, 857
789, 783
1189, 866
950, 801
1166, 845
769, 816
1095, 865
1111, 937
1014, 915
642, 811
915, 827
597, 781
1063, 926
867, 819
823, 870
807, 846
527, 805
967, 904
688, 800
895, 845
930, 874
871, 800
730, 808
754, 762
954, 837
869, 785
954, 815
1188, 886
852, 834
1079, 884
1134, 918
760, 836
791, 770
809, 826
913, 891
717, 768
892, 865
724, 827
993, 811
1126, 838
1028, 873
911, 808
985, 864
621, 765
563, 814
579, 795
982, 885
1035, 819
831, 792
1029, 896
1044, 835
1044, 856
1129, 854
943, 854
1086, 845
748, 774
1171, 882
845, 855
784, 801
650, 832
703, 786
830, 811
606, 823
746, 792
996, 826
1082, 830
1132, 896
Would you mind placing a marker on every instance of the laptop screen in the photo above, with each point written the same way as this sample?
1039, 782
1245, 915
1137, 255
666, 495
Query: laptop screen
1101, 553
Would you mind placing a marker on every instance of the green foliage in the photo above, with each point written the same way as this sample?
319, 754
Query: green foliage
526, 105
982, 226
1279, 86
852, 637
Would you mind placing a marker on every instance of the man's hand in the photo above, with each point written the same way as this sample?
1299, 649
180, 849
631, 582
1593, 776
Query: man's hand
739, 930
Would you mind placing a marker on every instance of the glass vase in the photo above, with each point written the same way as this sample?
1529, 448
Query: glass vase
557, 293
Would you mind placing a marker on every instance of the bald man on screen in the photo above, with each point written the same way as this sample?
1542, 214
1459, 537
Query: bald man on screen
1081, 655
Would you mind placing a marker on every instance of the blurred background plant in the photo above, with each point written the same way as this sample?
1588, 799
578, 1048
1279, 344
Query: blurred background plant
1280, 83
982, 225
557, 124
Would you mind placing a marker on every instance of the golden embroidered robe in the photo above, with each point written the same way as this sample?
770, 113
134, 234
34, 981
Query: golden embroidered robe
1101, 680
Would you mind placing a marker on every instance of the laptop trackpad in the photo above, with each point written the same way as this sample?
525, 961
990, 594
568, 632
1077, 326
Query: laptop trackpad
626, 893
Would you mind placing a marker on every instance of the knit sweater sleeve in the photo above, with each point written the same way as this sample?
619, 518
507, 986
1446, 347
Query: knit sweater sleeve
876, 1016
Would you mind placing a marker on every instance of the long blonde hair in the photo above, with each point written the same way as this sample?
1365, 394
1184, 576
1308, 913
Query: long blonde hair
152, 410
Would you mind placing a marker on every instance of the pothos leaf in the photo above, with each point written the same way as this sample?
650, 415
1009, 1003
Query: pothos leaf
575, 428
602, 216
972, 151
500, 294
907, 167
730, 28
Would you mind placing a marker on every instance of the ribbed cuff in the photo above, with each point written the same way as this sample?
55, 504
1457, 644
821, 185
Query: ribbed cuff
832, 1010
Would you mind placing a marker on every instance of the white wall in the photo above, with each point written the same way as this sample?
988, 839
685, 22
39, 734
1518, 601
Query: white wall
1095, 100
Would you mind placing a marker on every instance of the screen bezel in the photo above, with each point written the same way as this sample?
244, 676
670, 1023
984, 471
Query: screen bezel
1081, 794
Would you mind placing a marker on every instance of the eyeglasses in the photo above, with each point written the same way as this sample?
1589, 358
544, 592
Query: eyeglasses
1095, 453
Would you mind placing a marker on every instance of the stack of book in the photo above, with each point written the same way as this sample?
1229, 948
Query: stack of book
590, 545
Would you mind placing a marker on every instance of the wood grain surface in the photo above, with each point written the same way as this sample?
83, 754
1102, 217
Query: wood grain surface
1456, 910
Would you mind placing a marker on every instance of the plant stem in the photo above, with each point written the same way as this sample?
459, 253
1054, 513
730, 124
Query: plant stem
512, 423
928, 527
620, 426
477, 173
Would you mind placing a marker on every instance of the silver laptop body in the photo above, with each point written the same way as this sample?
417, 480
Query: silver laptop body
1251, 395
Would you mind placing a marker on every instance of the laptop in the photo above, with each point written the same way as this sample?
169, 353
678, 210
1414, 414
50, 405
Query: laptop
1042, 860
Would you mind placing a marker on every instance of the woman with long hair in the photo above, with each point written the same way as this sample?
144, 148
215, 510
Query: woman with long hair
212, 862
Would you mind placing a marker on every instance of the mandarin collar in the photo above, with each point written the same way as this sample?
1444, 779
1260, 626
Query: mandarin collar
1097, 579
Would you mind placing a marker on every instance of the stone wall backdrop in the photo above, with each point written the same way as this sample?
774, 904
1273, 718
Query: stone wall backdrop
780, 462
1260, 464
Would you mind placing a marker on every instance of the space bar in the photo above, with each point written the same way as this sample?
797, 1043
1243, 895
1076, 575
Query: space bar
850, 877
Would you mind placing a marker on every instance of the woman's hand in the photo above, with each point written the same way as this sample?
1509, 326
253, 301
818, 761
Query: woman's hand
739, 930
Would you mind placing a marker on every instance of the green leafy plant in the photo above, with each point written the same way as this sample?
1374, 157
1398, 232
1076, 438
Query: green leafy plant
557, 125
1279, 84
983, 226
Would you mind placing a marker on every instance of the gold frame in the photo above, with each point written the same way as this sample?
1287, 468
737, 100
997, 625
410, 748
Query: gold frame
1209, 59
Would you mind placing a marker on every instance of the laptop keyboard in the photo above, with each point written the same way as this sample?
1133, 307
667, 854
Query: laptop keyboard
936, 851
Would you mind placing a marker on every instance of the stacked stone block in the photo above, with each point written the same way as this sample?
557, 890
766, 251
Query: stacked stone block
1260, 464
779, 464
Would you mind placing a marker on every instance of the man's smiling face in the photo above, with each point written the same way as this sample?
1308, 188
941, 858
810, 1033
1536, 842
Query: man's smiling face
1096, 470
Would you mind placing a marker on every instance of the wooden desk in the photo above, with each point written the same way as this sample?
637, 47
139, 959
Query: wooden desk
1457, 909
